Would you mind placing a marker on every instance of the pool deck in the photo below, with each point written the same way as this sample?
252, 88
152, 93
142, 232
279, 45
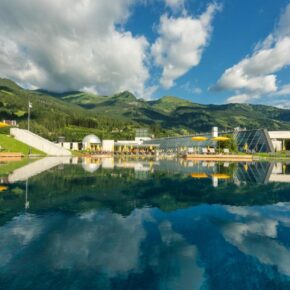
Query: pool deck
10, 156
219, 157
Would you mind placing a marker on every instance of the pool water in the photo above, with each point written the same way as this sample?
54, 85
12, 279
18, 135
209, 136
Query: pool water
137, 224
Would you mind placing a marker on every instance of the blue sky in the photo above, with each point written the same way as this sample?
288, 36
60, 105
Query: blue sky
237, 28
205, 51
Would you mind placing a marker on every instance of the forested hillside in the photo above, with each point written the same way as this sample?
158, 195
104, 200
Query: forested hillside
75, 114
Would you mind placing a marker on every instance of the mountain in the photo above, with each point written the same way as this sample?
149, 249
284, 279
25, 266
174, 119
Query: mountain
75, 114
172, 115
52, 117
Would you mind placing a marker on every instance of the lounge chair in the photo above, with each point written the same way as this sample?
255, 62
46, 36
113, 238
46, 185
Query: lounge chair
226, 151
211, 151
204, 150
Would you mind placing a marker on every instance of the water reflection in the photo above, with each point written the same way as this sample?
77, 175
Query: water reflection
255, 232
145, 224
199, 248
237, 172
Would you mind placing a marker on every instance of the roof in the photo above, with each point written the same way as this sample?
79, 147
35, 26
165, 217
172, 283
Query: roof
91, 139
279, 134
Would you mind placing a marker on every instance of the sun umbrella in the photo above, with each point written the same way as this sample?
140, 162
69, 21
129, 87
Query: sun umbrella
221, 176
3, 125
199, 175
221, 139
199, 139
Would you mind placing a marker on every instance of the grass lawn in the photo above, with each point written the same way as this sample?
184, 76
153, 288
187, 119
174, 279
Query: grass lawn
7, 168
9, 144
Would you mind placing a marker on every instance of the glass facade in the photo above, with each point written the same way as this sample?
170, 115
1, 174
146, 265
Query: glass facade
256, 172
175, 143
253, 141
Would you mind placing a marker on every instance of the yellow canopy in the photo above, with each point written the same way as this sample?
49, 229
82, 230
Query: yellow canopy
221, 176
199, 138
199, 175
2, 125
3, 188
221, 138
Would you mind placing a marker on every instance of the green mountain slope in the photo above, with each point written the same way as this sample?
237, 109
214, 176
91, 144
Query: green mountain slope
172, 115
52, 117
75, 114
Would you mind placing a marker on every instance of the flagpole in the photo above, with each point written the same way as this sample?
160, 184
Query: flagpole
26, 195
28, 122
28, 117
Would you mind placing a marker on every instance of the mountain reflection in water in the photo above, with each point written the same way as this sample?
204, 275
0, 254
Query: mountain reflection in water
127, 224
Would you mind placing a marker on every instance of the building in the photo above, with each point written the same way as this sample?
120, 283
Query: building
185, 143
12, 123
262, 140
91, 142
251, 141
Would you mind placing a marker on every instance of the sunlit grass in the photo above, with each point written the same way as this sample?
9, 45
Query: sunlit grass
9, 144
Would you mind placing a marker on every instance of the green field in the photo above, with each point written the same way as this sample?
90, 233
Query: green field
9, 144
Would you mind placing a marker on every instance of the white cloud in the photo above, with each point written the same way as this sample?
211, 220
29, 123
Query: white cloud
240, 98
101, 240
70, 44
254, 232
191, 88
284, 23
255, 75
284, 90
175, 248
175, 5
181, 43
17, 234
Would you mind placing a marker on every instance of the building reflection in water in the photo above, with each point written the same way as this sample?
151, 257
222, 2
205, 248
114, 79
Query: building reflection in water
238, 173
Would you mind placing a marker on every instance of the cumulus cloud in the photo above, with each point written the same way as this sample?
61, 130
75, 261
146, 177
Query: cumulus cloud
176, 253
181, 43
93, 241
254, 232
175, 5
240, 98
105, 237
71, 44
21, 231
284, 90
256, 75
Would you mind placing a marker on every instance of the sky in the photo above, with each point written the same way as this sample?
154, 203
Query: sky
216, 51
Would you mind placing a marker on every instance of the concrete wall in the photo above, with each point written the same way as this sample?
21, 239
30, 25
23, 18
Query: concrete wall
69, 145
278, 145
38, 142
108, 145
279, 134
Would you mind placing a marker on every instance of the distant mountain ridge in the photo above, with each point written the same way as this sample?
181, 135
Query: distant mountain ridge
171, 112
74, 114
